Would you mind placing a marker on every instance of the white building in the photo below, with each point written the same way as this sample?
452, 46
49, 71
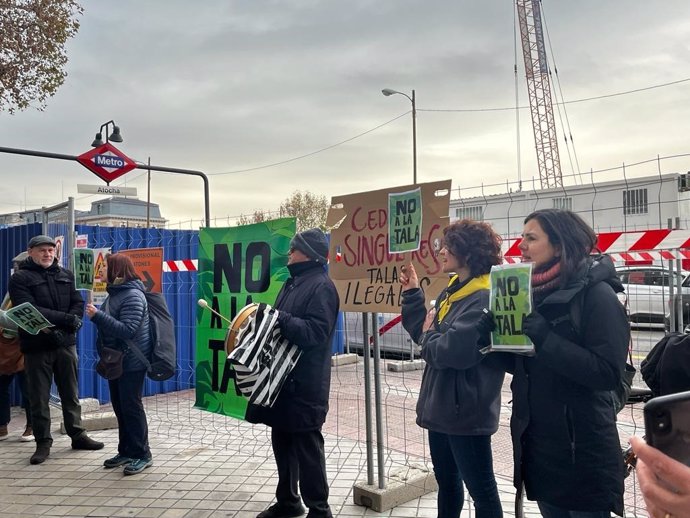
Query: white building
644, 203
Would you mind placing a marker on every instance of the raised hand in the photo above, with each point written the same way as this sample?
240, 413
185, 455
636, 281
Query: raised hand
408, 277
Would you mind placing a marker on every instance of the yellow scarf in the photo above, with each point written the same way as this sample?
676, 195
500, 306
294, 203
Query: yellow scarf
476, 284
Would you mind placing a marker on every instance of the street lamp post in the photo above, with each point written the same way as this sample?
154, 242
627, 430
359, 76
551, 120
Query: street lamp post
387, 92
115, 137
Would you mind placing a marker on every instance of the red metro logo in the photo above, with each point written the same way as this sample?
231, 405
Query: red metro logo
107, 162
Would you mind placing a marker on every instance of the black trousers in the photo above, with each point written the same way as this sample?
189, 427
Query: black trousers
301, 460
40, 368
133, 430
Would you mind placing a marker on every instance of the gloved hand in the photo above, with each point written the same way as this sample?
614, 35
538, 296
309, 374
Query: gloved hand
73, 323
57, 337
536, 327
485, 325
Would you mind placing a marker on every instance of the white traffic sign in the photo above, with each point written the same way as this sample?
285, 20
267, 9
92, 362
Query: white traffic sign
106, 189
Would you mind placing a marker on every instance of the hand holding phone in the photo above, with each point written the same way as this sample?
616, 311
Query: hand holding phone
667, 425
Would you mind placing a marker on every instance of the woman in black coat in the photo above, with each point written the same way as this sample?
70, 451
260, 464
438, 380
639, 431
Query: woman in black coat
123, 320
566, 446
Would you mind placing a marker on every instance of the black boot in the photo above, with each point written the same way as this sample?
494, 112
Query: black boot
280, 510
84, 442
41, 454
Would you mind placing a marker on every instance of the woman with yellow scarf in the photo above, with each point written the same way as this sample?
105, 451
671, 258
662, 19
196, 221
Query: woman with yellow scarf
460, 397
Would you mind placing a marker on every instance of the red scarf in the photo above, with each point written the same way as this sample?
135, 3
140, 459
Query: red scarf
546, 281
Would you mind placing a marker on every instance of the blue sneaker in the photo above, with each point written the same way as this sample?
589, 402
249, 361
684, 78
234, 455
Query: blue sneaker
117, 460
137, 466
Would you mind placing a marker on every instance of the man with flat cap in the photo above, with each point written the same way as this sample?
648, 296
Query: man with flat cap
308, 307
52, 353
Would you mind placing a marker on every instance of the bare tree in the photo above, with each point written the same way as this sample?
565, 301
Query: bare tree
259, 216
309, 209
33, 34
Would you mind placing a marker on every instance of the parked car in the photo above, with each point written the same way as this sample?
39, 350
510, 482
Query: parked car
684, 301
647, 292
394, 343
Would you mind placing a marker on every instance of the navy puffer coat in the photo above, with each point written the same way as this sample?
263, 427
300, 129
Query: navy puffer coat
126, 317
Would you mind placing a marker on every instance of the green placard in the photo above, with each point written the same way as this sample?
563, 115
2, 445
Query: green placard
83, 268
404, 221
28, 318
511, 301
237, 266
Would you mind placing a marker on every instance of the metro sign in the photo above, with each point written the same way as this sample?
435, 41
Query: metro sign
107, 162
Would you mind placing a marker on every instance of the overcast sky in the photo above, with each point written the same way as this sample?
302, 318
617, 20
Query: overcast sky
224, 86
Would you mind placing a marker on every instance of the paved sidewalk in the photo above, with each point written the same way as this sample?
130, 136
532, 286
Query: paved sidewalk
191, 477
207, 464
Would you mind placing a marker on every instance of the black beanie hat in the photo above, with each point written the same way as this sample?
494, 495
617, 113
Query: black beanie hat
312, 243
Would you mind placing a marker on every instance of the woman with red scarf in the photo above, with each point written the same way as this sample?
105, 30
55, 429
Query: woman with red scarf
565, 443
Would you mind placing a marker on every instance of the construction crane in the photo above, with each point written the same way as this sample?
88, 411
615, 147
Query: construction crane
539, 89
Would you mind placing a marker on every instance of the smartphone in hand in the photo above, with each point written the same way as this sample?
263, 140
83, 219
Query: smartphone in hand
667, 425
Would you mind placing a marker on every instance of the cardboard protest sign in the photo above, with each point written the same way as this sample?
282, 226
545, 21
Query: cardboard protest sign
237, 266
511, 301
83, 269
361, 263
28, 318
148, 264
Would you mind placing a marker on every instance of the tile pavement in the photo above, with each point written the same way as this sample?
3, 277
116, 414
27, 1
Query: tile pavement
208, 465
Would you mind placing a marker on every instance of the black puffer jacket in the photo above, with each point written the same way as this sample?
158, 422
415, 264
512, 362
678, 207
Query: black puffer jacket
308, 305
126, 317
51, 290
565, 440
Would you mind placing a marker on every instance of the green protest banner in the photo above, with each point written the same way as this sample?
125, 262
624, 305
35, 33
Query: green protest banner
511, 301
237, 266
83, 268
28, 318
404, 221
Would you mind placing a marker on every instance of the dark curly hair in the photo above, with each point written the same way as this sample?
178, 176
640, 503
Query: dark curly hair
474, 244
568, 232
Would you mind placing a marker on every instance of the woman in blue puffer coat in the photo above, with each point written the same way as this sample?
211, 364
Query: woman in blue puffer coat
124, 318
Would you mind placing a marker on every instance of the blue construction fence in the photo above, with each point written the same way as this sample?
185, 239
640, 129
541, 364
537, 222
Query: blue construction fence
179, 288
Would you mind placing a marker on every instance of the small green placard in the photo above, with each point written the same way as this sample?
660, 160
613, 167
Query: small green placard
404, 221
28, 318
511, 301
83, 268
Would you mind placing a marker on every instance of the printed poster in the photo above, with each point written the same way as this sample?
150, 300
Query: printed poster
100, 279
511, 301
237, 266
83, 268
404, 221
28, 318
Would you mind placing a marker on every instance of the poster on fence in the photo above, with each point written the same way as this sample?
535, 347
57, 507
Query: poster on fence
100, 279
237, 266
148, 264
511, 301
83, 269
375, 233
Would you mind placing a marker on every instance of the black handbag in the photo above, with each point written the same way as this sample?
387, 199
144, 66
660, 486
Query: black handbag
109, 364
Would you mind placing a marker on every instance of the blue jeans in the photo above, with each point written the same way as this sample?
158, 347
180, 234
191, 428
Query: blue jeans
468, 459
551, 511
